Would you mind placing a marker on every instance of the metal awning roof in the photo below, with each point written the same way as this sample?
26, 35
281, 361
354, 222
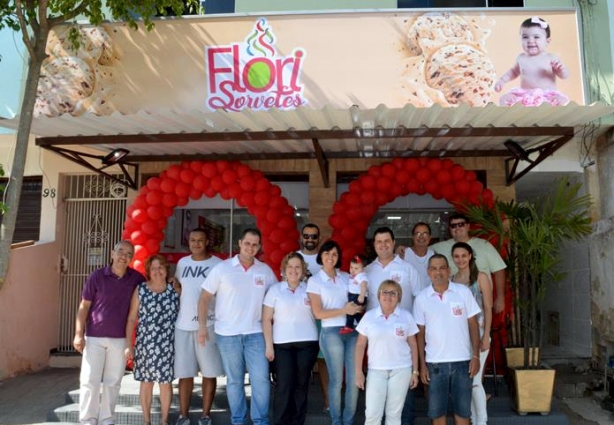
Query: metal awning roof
171, 135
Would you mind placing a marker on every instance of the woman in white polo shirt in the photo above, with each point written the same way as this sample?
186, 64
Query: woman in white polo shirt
291, 338
393, 355
328, 291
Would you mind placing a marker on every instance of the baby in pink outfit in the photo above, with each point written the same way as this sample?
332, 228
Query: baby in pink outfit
536, 67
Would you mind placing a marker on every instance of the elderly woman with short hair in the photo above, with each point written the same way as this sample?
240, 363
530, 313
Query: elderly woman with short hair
393, 355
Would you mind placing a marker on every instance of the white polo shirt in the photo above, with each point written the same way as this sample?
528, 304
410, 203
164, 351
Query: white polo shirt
355, 281
445, 320
191, 274
401, 272
388, 347
292, 316
333, 294
421, 265
312, 265
239, 295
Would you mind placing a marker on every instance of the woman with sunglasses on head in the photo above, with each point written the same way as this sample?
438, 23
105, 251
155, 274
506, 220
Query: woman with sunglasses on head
480, 286
328, 291
291, 339
390, 332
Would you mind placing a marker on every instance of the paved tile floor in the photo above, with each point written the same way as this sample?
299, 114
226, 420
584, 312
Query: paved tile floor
27, 399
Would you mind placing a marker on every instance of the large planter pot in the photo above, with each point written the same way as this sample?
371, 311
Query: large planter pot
533, 390
515, 357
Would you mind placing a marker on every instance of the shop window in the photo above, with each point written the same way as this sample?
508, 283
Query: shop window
218, 6
27, 227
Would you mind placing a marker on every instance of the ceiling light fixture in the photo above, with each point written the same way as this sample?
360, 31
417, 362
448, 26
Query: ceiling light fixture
115, 156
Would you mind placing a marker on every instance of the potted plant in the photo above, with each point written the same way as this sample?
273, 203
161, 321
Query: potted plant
531, 234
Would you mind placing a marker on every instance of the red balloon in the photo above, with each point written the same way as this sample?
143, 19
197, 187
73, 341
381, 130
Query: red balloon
167, 212
381, 198
443, 176
368, 182
277, 236
225, 193
246, 199
396, 190
196, 166
209, 170
154, 212
187, 176
402, 176
235, 191
431, 186
275, 191
243, 171
413, 186
229, 176
458, 172
476, 187
349, 233
152, 246
130, 224
273, 215
169, 200
167, 185
150, 227
217, 184
423, 175
470, 175
247, 184
388, 170
126, 235
352, 199
384, 183
374, 171
182, 190
353, 214
447, 164
140, 252
399, 163
337, 220
138, 237
185, 164
355, 186
140, 202
174, 172
266, 227
289, 245
139, 215
278, 203
138, 265
276, 257
287, 223
434, 165
182, 201
262, 184
143, 191
195, 194
448, 191
153, 183
412, 165
200, 182
154, 198
367, 197
161, 222
209, 192
262, 198
222, 165
462, 187
339, 207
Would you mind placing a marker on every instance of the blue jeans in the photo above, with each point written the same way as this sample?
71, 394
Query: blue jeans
239, 352
339, 352
449, 380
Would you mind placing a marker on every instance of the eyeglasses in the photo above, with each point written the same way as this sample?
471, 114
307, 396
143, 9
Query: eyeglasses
457, 225
390, 293
421, 234
312, 237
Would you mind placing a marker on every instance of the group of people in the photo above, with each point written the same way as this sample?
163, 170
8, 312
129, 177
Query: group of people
417, 318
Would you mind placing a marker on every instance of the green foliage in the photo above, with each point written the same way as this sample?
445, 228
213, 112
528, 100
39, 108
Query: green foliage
532, 234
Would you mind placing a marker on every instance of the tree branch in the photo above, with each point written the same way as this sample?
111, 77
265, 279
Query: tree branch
24, 28
68, 16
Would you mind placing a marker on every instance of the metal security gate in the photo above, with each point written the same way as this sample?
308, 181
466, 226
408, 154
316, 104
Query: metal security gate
95, 211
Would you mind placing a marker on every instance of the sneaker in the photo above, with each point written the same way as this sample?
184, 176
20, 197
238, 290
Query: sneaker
204, 421
345, 330
182, 420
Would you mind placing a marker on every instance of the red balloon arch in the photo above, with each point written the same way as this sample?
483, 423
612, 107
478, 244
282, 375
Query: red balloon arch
441, 178
147, 216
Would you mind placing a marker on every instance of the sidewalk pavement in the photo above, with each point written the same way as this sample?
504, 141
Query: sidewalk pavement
29, 398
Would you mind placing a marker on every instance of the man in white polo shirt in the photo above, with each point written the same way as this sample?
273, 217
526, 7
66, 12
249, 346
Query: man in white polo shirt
448, 343
387, 265
310, 242
240, 284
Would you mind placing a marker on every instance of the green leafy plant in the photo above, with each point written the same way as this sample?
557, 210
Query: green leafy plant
532, 234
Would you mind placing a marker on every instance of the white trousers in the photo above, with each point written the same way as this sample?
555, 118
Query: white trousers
385, 393
103, 365
479, 415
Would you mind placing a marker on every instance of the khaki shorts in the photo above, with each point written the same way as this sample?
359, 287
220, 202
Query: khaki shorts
191, 357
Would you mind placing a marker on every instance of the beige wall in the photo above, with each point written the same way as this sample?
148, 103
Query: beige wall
29, 306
